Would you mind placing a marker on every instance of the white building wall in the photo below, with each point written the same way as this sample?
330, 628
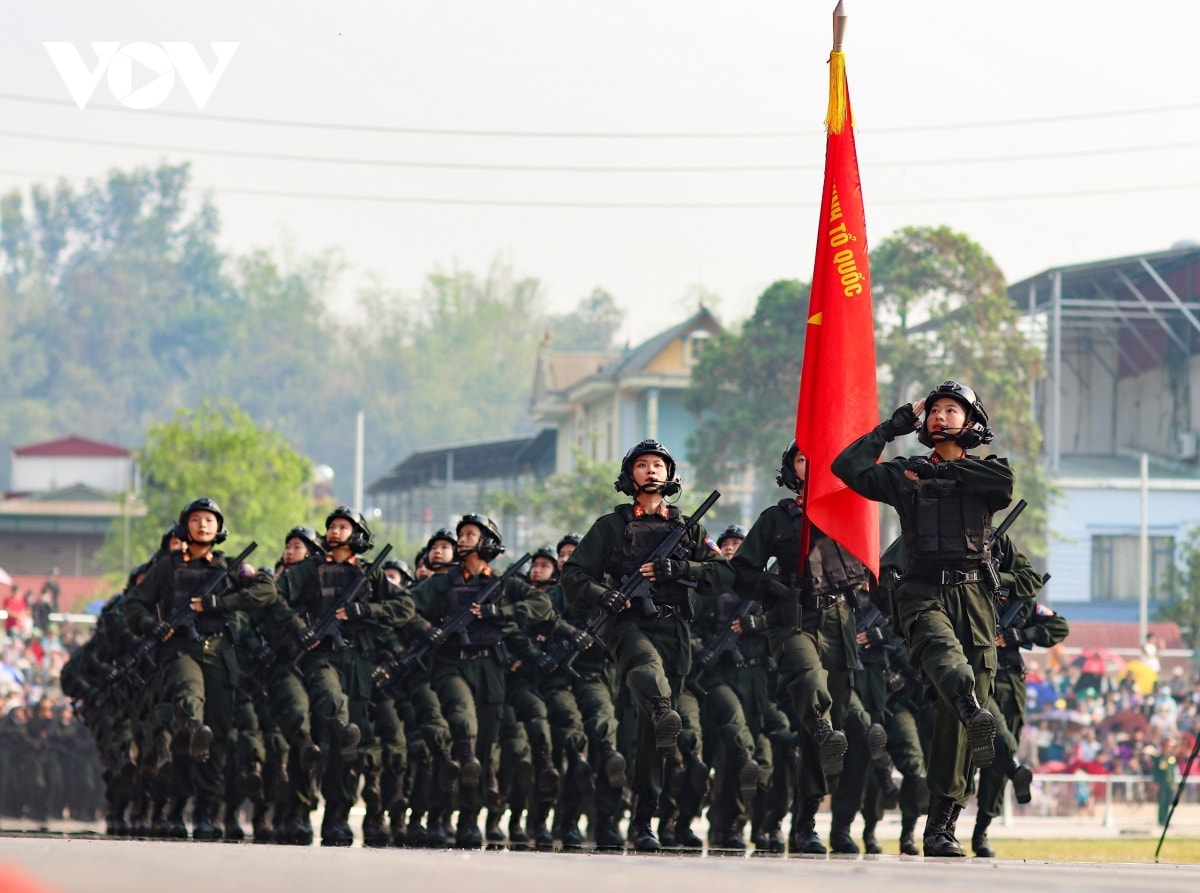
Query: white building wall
37, 473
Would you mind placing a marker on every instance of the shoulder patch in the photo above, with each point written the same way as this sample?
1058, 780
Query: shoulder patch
708, 541
1043, 611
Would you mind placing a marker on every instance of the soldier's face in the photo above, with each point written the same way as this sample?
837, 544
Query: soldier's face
729, 545
800, 466
202, 526
542, 570
394, 577
440, 552
468, 537
946, 413
339, 532
565, 553
294, 550
649, 467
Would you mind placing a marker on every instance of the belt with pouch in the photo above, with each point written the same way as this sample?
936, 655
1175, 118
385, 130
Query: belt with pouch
946, 577
475, 653
822, 602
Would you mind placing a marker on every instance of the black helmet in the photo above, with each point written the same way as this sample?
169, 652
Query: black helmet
732, 532
490, 543
308, 536
550, 555
787, 472
624, 482
976, 430
569, 539
399, 564
202, 504
442, 533
135, 573
420, 557
360, 540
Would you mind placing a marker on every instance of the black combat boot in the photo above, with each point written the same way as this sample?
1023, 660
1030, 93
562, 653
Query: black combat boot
233, 827
435, 831
685, 837
939, 839
908, 846
539, 834
335, 827
374, 832
580, 775
469, 768
889, 793
607, 835
548, 776
613, 765
447, 770
979, 839
468, 836
250, 781
199, 738
840, 840
870, 842
666, 726
804, 837
727, 838
644, 840
300, 829
831, 744
162, 753
176, 829
981, 730
202, 822
397, 807
746, 771
260, 826
1022, 781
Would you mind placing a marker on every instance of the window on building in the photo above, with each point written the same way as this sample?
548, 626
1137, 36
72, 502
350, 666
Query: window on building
1115, 567
694, 345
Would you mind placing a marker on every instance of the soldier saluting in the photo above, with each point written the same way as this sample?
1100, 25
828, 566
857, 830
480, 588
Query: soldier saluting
945, 501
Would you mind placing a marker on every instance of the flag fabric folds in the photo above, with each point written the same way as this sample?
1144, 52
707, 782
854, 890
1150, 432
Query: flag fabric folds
838, 400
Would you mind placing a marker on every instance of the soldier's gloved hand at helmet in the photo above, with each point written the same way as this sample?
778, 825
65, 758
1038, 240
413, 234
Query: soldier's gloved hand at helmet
903, 421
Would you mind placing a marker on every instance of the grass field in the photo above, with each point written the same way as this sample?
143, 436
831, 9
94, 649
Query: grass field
1140, 850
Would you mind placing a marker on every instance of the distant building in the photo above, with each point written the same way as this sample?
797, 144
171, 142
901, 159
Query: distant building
65, 496
1122, 342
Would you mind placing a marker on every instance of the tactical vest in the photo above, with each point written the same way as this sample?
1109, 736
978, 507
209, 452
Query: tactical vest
641, 537
830, 567
189, 578
465, 591
951, 526
334, 578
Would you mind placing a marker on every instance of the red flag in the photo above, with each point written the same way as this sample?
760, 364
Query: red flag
838, 400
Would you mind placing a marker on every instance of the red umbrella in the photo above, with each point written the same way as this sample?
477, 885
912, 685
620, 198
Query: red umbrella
1099, 661
1123, 721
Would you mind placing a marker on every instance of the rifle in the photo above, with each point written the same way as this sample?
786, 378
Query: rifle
990, 570
1017, 614
327, 624
636, 588
725, 642
184, 617
458, 624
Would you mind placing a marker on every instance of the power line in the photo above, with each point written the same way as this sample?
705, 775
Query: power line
563, 134
601, 169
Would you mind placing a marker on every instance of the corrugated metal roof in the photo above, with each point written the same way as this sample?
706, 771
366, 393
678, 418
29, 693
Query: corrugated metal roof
570, 367
72, 446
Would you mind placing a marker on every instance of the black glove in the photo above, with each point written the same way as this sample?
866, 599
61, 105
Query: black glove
1015, 636
383, 672
705, 658
212, 602
435, 635
306, 641
876, 636
903, 421
109, 672
582, 640
922, 468
667, 570
158, 629
358, 611
490, 611
754, 623
264, 655
613, 602
546, 662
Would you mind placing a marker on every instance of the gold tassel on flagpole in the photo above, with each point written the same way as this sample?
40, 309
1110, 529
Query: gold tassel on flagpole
835, 116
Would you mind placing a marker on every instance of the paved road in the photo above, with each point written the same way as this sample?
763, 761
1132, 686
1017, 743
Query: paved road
74, 865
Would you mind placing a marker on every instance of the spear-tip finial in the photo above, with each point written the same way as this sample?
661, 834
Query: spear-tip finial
839, 25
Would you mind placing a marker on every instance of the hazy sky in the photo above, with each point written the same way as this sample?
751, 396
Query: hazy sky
1051, 133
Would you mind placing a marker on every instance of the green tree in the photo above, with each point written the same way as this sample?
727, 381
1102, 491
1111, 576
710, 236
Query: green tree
942, 312
1184, 608
573, 500
592, 325
215, 450
744, 389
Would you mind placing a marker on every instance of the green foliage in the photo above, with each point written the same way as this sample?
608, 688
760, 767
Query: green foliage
942, 312
215, 450
592, 325
1184, 608
573, 500
744, 387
